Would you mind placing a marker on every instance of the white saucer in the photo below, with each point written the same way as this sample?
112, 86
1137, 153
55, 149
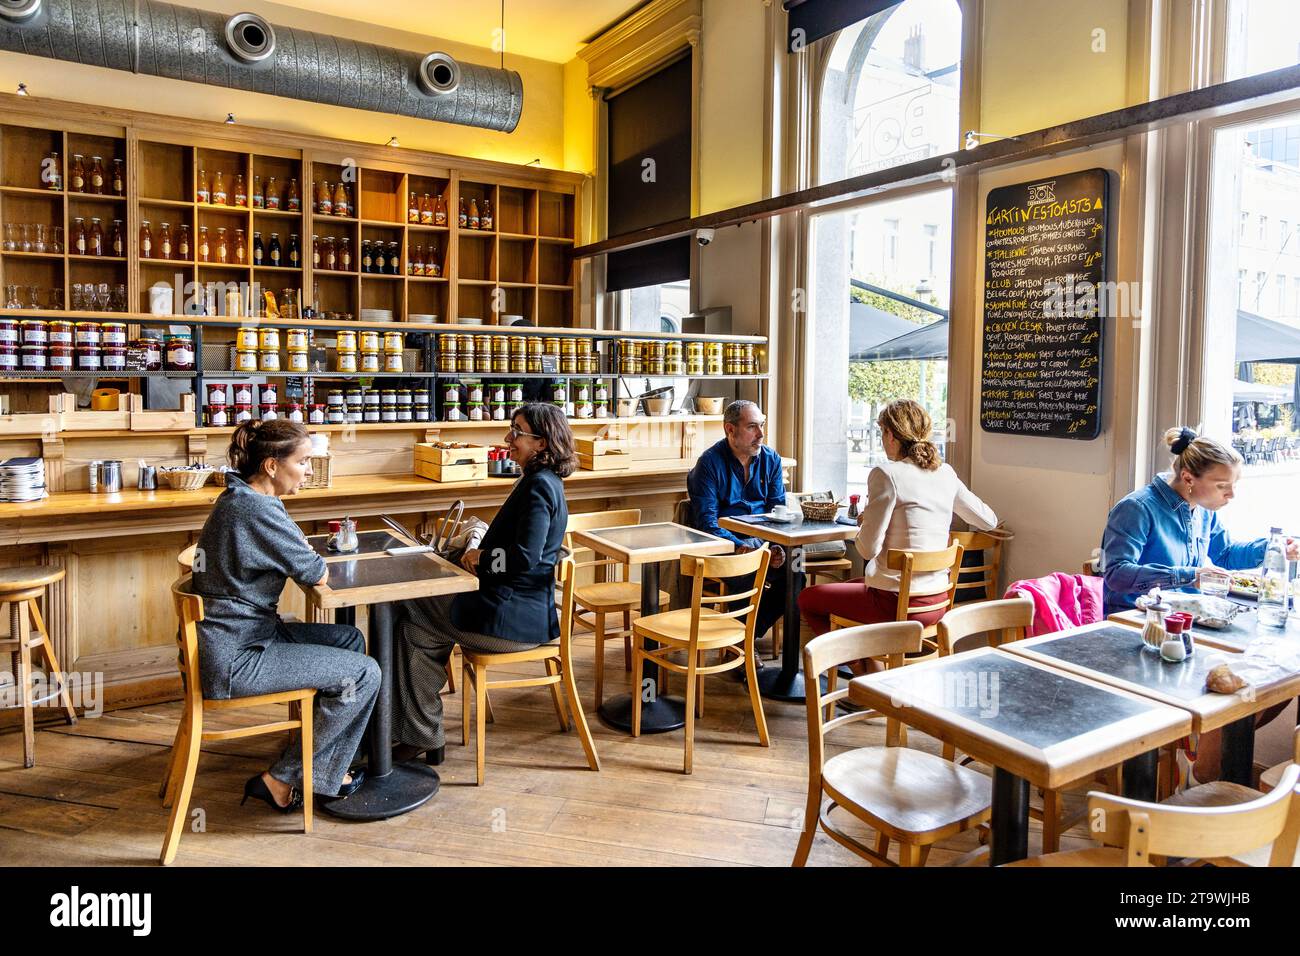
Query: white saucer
788, 519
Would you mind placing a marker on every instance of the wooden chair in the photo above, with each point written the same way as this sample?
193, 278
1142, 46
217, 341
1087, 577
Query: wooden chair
910, 797
178, 782
20, 588
909, 563
1134, 833
985, 587
186, 558
698, 630
556, 657
612, 592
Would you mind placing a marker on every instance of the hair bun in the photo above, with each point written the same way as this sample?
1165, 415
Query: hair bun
1185, 437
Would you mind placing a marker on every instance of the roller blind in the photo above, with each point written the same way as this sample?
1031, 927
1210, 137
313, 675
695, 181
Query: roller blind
810, 20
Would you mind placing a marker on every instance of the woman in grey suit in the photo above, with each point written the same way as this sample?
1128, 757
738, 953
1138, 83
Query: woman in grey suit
248, 547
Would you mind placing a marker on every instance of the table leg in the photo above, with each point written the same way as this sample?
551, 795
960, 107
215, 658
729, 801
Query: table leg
1010, 820
659, 714
1139, 776
1237, 762
786, 683
389, 790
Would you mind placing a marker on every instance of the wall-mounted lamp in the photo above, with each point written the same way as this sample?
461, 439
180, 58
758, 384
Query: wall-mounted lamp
973, 138
230, 119
392, 141
22, 89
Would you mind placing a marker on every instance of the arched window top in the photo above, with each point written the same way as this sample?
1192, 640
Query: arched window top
891, 89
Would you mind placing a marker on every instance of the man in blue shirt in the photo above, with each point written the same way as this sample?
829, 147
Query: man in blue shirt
742, 476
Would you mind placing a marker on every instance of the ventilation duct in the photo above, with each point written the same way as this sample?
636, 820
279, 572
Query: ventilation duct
245, 52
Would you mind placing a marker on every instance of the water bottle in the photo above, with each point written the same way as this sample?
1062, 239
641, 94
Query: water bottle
1273, 582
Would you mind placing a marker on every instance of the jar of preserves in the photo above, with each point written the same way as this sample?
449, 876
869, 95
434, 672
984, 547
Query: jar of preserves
114, 358
560, 393
335, 397
483, 362
9, 331
268, 338
61, 358
298, 362
87, 333
243, 412
498, 411
654, 358
501, 345
465, 362
536, 346
447, 361
336, 415
63, 333
534, 364
500, 364
421, 413
394, 341
369, 340
474, 411
452, 412
419, 396
295, 340
518, 364
582, 409
550, 345
269, 412
404, 413
217, 393
269, 393
370, 362
218, 416
8, 357
37, 332
751, 359
316, 415
89, 358
673, 364
180, 353
601, 408
403, 396
451, 392
293, 412
243, 393
388, 413
694, 358
268, 360
518, 345
346, 341
713, 358
581, 392
393, 362
515, 393
582, 346
448, 343
112, 333
347, 362
34, 358
568, 364
245, 361
474, 392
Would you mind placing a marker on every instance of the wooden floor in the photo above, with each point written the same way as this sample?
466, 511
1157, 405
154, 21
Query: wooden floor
92, 797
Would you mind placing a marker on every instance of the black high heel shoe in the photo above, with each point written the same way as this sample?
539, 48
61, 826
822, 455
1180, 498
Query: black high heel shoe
256, 787
347, 789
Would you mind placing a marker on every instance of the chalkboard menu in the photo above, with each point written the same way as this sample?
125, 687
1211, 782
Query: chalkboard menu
1044, 269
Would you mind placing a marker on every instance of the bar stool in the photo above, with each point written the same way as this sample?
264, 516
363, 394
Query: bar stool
19, 589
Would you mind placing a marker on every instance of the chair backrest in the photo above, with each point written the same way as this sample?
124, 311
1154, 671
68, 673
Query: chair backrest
1009, 618
909, 563
186, 558
1147, 829
891, 640
988, 566
565, 569
599, 519
189, 611
698, 569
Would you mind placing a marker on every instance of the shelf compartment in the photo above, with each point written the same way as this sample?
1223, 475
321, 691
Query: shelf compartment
554, 264
555, 215
382, 198
166, 172
22, 152
433, 248
516, 211
437, 188
514, 301
554, 308
517, 260
388, 295
427, 297
211, 161
477, 255
283, 170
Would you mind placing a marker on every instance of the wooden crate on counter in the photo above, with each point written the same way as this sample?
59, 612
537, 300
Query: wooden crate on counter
161, 420
603, 454
84, 419
450, 461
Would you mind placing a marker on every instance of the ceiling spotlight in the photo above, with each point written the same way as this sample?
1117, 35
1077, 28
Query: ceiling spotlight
22, 89
230, 119
392, 141
535, 162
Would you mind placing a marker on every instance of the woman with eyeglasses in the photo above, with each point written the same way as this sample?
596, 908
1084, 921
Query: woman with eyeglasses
514, 606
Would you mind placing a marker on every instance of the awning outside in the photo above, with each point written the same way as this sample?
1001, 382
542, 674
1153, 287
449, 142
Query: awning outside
1257, 392
924, 342
870, 326
1266, 340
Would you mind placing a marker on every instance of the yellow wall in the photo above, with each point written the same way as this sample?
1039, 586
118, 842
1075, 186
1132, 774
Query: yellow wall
540, 134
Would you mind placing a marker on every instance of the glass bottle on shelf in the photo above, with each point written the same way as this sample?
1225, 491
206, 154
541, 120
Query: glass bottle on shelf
77, 178
273, 250
95, 238
272, 193
240, 251
119, 178
462, 217
485, 215
439, 212
367, 256
79, 240
293, 200
292, 251
345, 254
183, 243
259, 251
239, 190
97, 175
116, 240
342, 203
433, 265
377, 258
324, 198
223, 245
146, 241
394, 258
413, 206
205, 247
219, 188
259, 195
473, 215
52, 172
202, 192
415, 265
426, 210
329, 255
165, 241
315, 252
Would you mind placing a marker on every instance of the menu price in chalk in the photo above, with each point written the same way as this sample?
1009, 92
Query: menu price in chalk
1044, 275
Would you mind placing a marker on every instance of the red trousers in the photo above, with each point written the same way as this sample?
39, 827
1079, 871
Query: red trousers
864, 605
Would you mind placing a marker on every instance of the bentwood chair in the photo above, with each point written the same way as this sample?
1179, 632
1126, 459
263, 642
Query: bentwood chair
907, 796
556, 657
1136, 833
178, 782
987, 572
613, 591
722, 624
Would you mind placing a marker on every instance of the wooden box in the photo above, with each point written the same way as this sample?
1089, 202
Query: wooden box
75, 419
31, 423
600, 446
160, 420
431, 453
437, 472
611, 461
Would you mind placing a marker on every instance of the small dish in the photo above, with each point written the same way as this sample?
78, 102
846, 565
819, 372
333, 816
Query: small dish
790, 517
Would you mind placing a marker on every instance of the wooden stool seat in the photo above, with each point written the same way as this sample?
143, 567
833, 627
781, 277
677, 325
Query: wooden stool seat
612, 596
901, 792
20, 589
674, 627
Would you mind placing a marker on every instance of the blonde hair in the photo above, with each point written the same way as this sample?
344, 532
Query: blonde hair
910, 424
1196, 453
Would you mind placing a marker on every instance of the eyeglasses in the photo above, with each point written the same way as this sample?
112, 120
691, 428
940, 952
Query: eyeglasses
516, 433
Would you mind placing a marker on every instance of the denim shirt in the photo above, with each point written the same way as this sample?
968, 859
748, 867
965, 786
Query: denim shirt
718, 489
1154, 538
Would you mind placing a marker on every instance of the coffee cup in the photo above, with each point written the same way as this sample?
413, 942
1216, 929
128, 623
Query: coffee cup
781, 511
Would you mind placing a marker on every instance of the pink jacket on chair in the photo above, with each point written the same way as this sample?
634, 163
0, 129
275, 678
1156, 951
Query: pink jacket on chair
1061, 601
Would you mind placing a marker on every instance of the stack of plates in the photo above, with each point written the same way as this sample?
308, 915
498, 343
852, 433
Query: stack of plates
467, 320
376, 315
422, 317
22, 479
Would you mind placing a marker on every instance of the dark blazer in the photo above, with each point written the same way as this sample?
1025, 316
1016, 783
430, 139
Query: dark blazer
515, 599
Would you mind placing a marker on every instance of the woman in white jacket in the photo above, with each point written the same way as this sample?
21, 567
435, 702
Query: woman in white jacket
910, 503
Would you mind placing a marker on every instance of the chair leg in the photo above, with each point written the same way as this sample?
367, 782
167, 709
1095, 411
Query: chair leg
480, 721
638, 662
167, 791
1051, 821
570, 687
692, 659
467, 682
755, 698
598, 633
306, 716
181, 805
627, 640
20, 628
52, 669
553, 670
487, 706
810, 817
778, 638
451, 672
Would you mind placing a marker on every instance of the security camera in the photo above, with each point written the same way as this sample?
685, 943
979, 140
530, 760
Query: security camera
704, 236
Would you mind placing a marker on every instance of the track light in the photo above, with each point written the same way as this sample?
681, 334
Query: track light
973, 138
230, 119
392, 141
22, 89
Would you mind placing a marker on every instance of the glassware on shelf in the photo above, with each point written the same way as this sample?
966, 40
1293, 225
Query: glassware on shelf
118, 301
56, 240
78, 298
104, 297
33, 297
11, 297
119, 178
25, 237
11, 237
97, 175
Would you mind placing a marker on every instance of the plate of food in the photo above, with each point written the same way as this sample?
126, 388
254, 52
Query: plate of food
1245, 584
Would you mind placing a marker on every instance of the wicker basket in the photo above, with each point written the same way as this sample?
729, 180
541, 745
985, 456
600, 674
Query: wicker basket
320, 473
819, 510
186, 479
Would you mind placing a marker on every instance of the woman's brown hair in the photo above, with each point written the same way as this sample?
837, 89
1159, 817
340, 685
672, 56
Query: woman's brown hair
547, 421
910, 424
1196, 453
255, 442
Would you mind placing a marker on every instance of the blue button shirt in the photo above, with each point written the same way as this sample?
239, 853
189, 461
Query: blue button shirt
718, 489
1154, 538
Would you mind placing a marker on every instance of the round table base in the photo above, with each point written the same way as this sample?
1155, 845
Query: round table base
775, 684
658, 716
406, 787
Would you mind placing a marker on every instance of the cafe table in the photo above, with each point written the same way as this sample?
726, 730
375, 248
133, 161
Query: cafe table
1243, 629
1033, 723
1113, 654
646, 545
786, 683
370, 576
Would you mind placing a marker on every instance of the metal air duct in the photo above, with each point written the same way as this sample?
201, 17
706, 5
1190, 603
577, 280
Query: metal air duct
246, 52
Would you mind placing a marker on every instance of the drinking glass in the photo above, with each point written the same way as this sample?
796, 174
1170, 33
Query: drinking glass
11, 237
11, 297
104, 298
78, 298
1216, 583
119, 298
56, 243
25, 240
38, 241
33, 297
56, 299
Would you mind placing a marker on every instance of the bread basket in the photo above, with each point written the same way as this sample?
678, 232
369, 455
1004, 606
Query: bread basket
819, 510
185, 479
